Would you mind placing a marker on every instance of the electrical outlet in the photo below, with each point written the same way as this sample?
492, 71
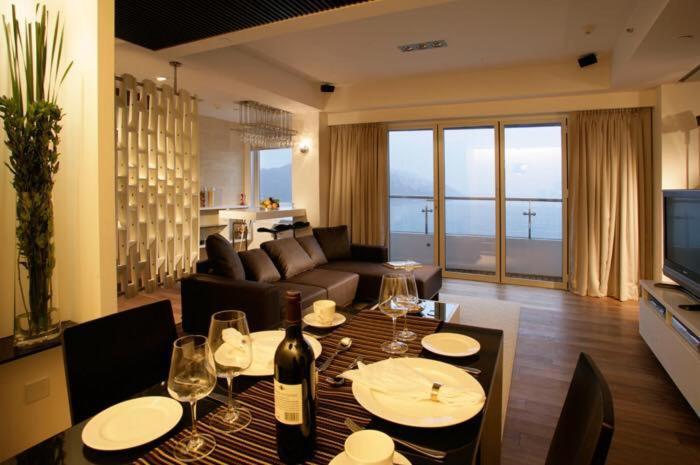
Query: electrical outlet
37, 390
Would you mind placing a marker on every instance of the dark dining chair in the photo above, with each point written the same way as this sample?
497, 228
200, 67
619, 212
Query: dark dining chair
115, 357
587, 420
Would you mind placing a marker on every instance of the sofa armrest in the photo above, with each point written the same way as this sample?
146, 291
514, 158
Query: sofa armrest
204, 295
369, 253
203, 266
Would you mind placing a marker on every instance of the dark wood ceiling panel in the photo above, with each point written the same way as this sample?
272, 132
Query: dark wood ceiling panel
157, 24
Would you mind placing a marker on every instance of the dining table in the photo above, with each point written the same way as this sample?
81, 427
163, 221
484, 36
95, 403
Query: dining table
474, 441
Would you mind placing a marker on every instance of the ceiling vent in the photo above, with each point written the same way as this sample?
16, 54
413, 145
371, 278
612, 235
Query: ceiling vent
423, 46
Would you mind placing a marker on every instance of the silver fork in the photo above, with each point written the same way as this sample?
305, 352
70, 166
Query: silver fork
427, 451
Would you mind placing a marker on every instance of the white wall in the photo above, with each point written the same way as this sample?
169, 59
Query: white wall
221, 160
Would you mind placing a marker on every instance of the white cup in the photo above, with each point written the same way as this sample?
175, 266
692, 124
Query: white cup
369, 447
325, 311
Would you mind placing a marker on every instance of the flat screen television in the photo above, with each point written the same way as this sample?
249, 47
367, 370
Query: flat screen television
682, 238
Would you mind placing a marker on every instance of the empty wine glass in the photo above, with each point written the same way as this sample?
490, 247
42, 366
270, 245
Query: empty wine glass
393, 285
231, 344
192, 377
411, 301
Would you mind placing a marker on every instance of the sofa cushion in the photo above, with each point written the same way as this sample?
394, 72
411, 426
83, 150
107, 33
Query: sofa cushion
258, 266
428, 277
222, 259
309, 294
313, 249
335, 242
340, 286
289, 256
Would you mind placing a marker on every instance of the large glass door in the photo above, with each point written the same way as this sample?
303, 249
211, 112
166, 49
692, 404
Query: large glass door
500, 186
412, 195
533, 242
470, 222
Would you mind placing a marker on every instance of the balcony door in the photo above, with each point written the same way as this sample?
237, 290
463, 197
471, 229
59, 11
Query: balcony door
412, 194
484, 200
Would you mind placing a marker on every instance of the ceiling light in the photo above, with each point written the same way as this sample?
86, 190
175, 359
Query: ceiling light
161, 78
423, 45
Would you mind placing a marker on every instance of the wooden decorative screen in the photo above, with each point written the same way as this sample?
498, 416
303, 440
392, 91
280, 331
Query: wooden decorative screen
157, 183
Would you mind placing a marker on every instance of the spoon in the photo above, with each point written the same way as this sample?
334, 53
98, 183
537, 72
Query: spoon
336, 380
343, 345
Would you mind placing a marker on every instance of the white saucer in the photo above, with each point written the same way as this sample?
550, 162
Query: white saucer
451, 344
342, 459
132, 423
312, 320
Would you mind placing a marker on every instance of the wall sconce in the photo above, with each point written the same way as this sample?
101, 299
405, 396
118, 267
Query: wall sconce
304, 145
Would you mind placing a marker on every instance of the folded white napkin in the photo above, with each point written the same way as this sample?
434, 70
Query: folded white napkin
397, 378
234, 352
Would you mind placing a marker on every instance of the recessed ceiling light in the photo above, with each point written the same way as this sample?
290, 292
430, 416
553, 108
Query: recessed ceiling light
686, 36
161, 78
629, 30
423, 45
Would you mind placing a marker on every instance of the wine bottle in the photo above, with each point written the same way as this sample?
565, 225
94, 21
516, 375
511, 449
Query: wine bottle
295, 389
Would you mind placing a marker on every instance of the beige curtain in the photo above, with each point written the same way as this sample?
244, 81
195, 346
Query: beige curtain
610, 179
358, 184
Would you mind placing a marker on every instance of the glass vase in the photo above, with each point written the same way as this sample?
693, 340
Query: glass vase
37, 320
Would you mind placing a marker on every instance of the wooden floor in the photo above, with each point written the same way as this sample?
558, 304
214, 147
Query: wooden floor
654, 424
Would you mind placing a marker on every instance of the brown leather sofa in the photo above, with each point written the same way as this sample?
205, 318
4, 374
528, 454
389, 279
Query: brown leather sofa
322, 266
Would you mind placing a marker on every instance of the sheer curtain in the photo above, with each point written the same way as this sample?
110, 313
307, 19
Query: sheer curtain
610, 179
358, 184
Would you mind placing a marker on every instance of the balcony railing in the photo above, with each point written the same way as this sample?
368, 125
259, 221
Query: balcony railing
406, 216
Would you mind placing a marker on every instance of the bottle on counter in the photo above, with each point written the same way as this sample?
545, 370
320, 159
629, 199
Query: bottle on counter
295, 389
202, 198
210, 197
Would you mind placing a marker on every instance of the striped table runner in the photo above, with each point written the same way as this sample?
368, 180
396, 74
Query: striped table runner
257, 444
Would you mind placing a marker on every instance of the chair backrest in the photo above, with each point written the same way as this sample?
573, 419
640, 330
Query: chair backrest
587, 421
112, 358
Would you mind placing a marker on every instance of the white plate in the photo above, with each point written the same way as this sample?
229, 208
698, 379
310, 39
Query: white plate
312, 320
451, 344
424, 413
342, 459
264, 346
132, 423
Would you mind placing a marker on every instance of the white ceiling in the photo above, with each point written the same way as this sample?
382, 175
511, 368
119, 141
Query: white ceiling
281, 64
479, 33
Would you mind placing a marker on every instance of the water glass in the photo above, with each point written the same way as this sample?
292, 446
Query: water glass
192, 377
231, 344
393, 285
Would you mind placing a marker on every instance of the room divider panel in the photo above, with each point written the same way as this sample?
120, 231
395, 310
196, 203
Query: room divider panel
157, 184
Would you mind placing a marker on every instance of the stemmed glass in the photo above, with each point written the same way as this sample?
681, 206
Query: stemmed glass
233, 352
411, 302
393, 286
192, 377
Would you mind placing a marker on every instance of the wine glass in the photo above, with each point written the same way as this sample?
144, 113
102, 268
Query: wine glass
231, 344
192, 377
411, 301
393, 285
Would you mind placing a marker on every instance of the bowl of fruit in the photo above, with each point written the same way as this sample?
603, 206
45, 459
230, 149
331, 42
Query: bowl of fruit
270, 203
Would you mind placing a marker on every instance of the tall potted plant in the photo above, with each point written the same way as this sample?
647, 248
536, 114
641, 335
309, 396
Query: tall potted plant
31, 119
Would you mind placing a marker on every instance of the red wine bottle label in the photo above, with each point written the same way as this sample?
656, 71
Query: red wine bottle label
288, 402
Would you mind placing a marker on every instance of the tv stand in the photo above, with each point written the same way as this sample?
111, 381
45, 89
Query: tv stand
674, 287
672, 332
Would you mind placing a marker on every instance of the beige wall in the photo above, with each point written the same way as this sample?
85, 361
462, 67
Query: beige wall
680, 104
84, 192
85, 275
27, 421
221, 160
305, 166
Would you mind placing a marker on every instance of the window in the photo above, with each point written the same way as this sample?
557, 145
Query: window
274, 179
